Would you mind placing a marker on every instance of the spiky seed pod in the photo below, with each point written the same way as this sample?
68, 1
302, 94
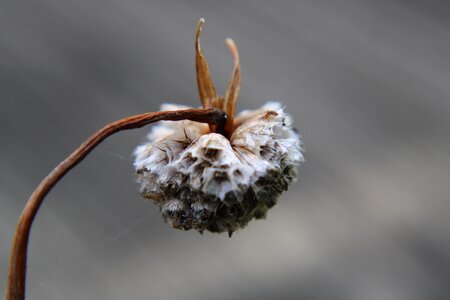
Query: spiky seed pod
218, 181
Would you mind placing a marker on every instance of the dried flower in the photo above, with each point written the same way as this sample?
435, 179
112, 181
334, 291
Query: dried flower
218, 179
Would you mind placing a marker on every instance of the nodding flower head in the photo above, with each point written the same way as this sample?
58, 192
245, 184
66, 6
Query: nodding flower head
218, 179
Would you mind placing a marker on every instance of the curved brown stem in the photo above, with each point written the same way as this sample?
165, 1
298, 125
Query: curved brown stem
17, 268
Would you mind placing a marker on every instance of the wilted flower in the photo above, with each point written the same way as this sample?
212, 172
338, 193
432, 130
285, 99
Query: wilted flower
218, 179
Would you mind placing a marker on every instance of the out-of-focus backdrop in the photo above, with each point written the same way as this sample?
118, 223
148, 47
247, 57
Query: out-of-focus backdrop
368, 83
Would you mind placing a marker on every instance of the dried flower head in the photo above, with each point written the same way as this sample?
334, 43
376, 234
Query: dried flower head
218, 179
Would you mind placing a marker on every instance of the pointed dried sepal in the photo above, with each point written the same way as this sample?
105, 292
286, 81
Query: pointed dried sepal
217, 102
232, 94
205, 83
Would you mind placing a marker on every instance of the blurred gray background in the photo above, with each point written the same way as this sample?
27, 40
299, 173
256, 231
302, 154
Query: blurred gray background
368, 83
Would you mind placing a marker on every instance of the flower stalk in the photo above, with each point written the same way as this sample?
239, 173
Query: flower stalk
17, 265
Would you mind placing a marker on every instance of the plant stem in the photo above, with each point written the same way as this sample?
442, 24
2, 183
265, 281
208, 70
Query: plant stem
18, 259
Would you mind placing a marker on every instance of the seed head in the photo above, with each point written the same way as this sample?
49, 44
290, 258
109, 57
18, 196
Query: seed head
218, 181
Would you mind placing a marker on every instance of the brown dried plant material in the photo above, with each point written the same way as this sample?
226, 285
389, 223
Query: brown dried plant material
205, 178
234, 86
17, 264
206, 89
205, 83
215, 177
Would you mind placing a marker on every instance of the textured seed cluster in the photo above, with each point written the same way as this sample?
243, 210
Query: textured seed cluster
204, 181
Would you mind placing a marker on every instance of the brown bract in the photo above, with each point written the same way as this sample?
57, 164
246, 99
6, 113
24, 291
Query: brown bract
206, 89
